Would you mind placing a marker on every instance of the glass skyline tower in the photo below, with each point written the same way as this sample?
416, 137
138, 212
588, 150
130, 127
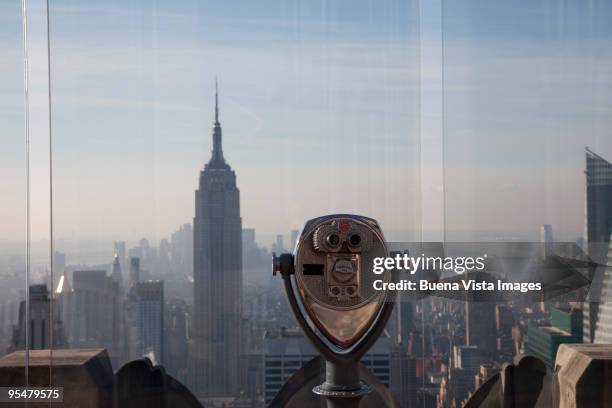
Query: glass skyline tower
598, 311
214, 366
598, 204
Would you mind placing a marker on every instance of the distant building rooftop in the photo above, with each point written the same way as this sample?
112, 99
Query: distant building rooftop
45, 357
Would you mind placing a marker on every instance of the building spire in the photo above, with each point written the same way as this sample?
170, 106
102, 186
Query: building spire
217, 151
216, 101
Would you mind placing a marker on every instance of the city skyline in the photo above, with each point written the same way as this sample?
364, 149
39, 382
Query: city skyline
175, 149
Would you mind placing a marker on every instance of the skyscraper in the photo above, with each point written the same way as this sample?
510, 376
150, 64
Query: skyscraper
598, 309
504, 323
480, 327
181, 255
467, 361
39, 325
217, 242
546, 239
146, 317
175, 351
92, 318
279, 246
403, 380
598, 205
134, 270
120, 251
116, 270
248, 239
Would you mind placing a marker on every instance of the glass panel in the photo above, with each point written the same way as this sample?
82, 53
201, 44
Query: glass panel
13, 281
526, 88
184, 142
318, 112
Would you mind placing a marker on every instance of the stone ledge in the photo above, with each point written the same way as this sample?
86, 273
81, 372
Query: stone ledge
87, 378
584, 375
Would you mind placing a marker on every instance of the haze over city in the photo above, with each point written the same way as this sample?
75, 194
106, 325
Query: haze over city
302, 103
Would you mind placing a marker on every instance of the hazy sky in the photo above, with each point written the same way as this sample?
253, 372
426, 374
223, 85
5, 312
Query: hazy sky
320, 108
528, 86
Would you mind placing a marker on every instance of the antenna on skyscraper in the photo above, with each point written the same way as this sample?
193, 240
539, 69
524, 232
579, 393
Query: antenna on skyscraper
216, 100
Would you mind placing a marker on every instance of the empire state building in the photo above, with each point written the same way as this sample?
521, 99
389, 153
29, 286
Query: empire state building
217, 246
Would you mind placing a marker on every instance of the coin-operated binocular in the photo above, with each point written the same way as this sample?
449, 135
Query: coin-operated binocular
329, 284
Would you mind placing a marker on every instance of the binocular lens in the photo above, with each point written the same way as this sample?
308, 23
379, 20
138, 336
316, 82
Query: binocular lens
355, 239
333, 239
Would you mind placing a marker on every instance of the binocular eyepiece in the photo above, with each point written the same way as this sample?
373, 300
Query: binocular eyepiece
342, 236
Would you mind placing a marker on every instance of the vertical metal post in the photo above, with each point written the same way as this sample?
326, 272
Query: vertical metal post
342, 387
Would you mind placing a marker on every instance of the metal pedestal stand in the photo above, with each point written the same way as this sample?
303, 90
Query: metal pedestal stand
342, 387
